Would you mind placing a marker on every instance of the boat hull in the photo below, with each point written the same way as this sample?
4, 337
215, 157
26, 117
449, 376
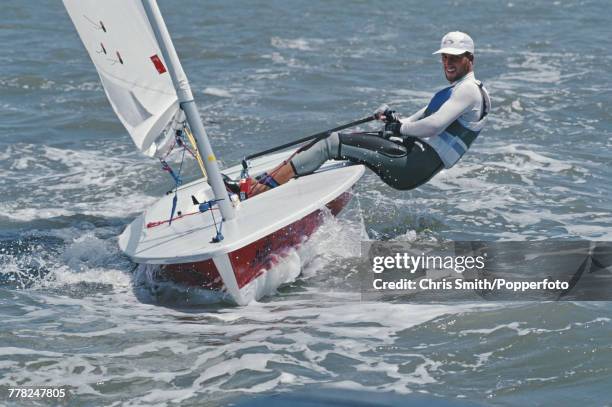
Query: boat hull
251, 262
264, 230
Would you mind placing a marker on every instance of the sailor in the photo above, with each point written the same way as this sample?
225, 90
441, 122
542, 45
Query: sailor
414, 149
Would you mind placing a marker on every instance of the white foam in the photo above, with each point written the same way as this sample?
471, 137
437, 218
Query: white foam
252, 361
301, 44
222, 93
286, 270
277, 58
327, 334
534, 67
531, 160
83, 257
335, 239
12, 351
516, 326
105, 276
73, 182
268, 74
87, 250
590, 231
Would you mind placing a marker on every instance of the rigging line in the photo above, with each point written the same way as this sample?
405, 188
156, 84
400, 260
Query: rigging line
166, 167
198, 157
184, 215
219, 235
181, 167
180, 140
169, 151
178, 182
182, 144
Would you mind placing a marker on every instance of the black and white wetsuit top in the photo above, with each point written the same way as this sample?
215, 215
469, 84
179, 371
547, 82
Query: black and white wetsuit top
452, 120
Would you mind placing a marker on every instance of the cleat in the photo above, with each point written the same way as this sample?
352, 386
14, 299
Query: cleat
231, 185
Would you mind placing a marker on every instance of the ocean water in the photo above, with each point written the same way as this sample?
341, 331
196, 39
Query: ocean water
75, 312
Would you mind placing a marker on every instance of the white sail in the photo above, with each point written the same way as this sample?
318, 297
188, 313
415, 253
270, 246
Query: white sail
121, 43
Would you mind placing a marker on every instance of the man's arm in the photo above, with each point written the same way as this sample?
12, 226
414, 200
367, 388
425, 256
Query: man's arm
461, 100
417, 116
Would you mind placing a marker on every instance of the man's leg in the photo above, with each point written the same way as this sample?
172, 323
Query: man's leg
280, 174
398, 166
304, 162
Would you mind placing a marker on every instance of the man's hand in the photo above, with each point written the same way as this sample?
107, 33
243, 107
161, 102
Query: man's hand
378, 113
387, 115
393, 130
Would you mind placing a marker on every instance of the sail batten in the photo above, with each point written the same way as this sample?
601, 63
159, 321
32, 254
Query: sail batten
120, 42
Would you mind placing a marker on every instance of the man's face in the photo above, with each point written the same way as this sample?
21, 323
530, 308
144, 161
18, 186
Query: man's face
456, 66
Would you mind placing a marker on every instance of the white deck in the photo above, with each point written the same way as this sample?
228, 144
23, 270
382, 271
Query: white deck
189, 239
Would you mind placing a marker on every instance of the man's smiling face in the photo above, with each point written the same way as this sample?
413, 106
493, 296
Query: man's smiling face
456, 66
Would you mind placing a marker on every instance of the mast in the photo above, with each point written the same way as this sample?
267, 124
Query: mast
185, 96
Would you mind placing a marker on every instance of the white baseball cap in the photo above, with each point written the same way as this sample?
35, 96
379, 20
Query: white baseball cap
456, 43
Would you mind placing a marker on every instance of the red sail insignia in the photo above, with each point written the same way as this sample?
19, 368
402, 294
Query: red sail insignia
159, 65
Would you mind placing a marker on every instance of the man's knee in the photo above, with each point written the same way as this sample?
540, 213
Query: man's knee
311, 158
333, 145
